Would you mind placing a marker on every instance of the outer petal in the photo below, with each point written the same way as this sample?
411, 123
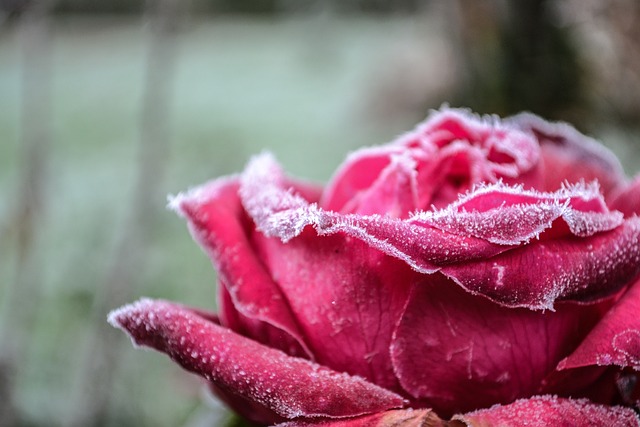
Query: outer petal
288, 386
627, 199
346, 297
465, 239
455, 352
395, 418
218, 222
544, 411
616, 338
569, 156
536, 276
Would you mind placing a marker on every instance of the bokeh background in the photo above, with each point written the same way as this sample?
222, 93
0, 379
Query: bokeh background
108, 106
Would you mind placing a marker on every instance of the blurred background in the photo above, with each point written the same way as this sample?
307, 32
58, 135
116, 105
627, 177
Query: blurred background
107, 106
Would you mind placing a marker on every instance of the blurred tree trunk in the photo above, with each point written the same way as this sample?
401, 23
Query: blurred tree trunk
516, 57
22, 297
104, 345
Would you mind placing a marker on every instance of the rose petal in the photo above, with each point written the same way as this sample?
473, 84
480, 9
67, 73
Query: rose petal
511, 215
358, 172
291, 387
395, 418
615, 340
457, 150
456, 352
473, 240
627, 199
217, 221
509, 152
394, 193
569, 156
537, 275
346, 298
448, 153
543, 411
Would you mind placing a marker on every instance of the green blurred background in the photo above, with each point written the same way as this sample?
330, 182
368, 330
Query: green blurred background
108, 106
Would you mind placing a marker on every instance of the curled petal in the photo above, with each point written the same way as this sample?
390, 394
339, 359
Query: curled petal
288, 386
481, 241
543, 411
511, 215
507, 151
394, 193
450, 152
358, 173
537, 275
277, 211
218, 222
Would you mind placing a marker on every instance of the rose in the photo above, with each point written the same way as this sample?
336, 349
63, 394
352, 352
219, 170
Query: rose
484, 269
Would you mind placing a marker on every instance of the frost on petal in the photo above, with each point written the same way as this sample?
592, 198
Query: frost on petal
627, 199
450, 152
508, 150
482, 241
511, 215
394, 418
544, 411
279, 212
218, 223
275, 208
455, 352
537, 275
290, 387
616, 338
568, 155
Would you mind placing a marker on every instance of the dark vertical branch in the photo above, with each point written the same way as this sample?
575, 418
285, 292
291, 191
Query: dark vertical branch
515, 57
23, 294
92, 404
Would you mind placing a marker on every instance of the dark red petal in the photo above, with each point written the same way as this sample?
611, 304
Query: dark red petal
544, 411
538, 274
457, 352
627, 199
346, 297
395, 418
616, 338
218, 222
596, 383
291, 387
569, 156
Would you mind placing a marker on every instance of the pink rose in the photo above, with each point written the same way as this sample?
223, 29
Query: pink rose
476, 269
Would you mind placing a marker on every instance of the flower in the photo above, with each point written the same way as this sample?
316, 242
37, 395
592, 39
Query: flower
476, 269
